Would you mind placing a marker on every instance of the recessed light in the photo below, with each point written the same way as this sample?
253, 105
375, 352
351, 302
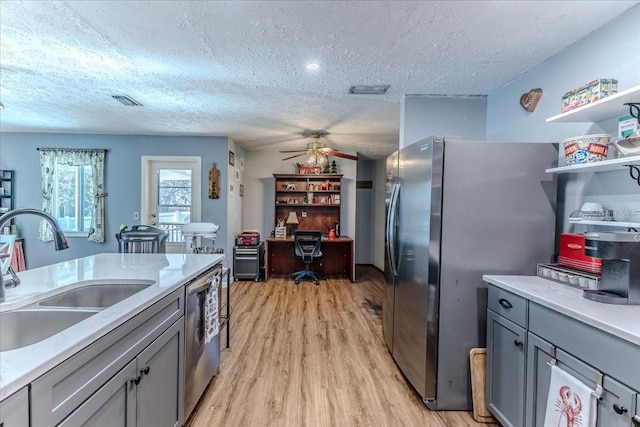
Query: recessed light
368, 89
1, 106
313, 66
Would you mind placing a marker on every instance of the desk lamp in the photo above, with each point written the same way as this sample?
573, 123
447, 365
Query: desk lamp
292, 220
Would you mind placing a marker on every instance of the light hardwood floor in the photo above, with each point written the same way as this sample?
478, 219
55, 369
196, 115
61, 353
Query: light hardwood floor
306, 355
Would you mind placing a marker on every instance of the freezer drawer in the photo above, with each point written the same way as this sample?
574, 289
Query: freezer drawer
248, 262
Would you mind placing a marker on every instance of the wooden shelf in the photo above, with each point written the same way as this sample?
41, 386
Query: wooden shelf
603, 166
309, 191
335, 176
602, 109
307, 204
319, 215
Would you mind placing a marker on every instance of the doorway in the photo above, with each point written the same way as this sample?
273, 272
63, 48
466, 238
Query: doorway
171, 195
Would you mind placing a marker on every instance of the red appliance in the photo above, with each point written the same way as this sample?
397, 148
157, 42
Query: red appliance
572, 254
248, 238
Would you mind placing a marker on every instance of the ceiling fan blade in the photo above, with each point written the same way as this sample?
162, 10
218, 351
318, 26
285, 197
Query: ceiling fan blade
297, 155
342, 155
292, 151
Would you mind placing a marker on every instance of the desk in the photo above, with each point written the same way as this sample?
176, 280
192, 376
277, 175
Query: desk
337, 257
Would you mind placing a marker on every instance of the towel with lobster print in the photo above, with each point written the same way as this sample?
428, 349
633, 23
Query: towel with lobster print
570, 402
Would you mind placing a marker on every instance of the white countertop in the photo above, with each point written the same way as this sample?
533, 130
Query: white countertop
622, 321
168, 272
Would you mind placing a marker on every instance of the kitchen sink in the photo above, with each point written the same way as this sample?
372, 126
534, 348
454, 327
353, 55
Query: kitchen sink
21, 328
99, 295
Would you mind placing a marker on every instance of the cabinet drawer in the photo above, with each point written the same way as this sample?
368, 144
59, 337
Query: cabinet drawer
608, 354
508, 305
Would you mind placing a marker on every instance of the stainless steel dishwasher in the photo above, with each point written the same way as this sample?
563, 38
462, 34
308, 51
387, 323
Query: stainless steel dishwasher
201, 358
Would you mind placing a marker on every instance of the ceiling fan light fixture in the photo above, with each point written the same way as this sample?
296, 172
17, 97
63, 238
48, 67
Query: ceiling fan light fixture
126, 100
317, 158
368, 89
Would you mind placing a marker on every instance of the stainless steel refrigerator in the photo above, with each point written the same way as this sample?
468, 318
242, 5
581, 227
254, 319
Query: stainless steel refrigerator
457, 210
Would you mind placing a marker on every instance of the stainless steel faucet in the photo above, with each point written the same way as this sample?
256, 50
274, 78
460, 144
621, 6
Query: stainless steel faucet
60, 241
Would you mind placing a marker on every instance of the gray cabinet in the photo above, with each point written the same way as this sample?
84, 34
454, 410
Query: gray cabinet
589, 354
538, 378
616, 406
147, 392
505, 369
84, 387
14, 410
160, 388
112, 405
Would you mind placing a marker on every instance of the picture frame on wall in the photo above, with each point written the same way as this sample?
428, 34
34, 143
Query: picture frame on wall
237, 175
232, 189
241, 190
232, 158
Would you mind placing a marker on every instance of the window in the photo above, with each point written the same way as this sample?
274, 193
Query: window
174, 201
72, 189
73, 197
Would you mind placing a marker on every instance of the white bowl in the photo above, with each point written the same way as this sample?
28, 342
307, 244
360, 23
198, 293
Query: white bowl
592, 206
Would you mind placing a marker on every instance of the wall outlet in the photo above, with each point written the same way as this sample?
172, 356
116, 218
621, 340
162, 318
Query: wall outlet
136, 215
304, 214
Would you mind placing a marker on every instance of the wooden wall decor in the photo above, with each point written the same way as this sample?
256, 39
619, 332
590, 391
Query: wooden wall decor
214, 182
529, 101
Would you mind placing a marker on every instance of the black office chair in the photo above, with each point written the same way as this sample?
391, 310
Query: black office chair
306, 248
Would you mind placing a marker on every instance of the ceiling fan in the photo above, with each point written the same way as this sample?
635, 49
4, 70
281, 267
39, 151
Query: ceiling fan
317, 152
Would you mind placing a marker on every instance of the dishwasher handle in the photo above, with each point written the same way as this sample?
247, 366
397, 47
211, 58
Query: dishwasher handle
196, 289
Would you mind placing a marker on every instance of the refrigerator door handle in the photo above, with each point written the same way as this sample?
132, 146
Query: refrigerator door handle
387, 228
393, 213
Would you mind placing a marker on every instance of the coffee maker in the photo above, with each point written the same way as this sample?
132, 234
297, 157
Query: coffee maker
620, 254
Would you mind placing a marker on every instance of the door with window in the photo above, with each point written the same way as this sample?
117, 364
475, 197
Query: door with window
171, 195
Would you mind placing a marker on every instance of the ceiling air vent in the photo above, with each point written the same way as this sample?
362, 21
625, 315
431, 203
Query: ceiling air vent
368, 90
126, 100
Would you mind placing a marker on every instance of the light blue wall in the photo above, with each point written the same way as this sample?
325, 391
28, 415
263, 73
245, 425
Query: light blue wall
122, 176
425, 115
610, 52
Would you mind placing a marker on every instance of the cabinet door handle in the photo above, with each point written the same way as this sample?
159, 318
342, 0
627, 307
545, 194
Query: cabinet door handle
135, 380
636, 420
518, 343
505, 303
619, 409
145, 371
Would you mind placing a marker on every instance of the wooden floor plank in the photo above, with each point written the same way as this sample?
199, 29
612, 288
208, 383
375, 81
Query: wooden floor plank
306, 355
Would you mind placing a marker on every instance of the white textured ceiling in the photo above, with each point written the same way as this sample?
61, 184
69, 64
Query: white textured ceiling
237, 68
